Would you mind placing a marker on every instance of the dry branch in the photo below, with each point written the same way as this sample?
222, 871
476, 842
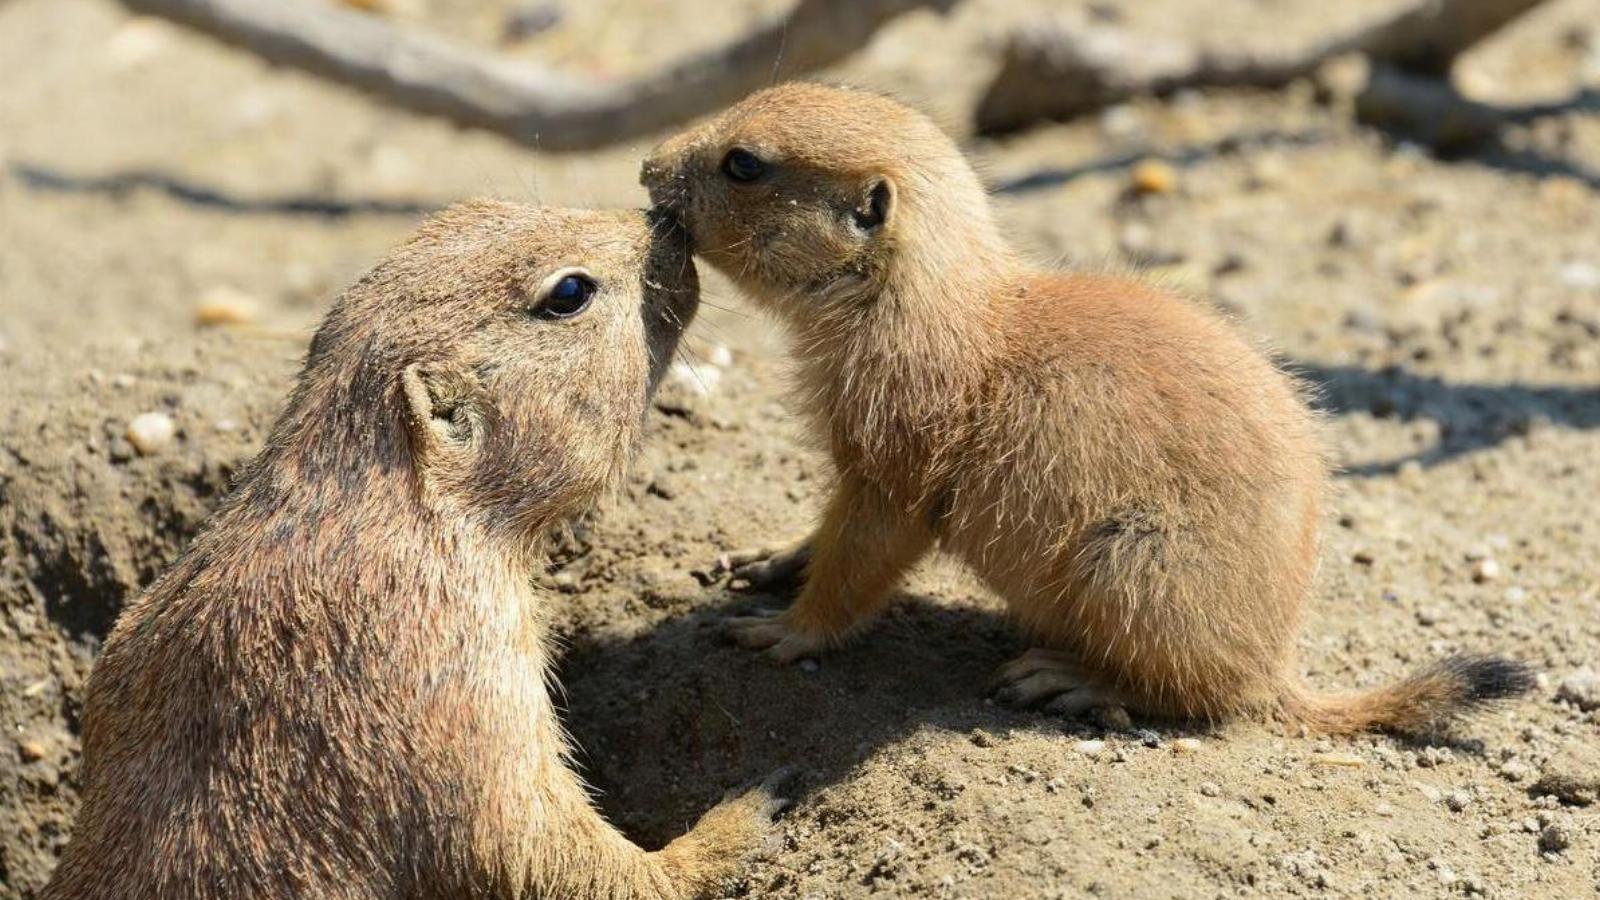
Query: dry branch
1056, 70
533, 106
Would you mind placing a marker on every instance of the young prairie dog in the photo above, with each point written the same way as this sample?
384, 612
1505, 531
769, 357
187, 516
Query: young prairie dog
342, 688
1136, 480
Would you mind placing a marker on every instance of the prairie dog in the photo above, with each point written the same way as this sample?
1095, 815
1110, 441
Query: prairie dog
1138, 482
341, 689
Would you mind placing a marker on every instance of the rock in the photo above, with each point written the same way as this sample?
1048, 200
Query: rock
1089, 748
1582, 689
1153, 176
1186, 745
1581, 275
151, 432
1570, 790
1554, 838
30, 751
1514, 771
1363, 557
1210, 789
1485, 570
223, 305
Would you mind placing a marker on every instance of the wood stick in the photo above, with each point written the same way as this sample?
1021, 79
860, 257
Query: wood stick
536, 107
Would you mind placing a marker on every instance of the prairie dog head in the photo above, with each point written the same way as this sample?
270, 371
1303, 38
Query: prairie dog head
505, 353
804, 193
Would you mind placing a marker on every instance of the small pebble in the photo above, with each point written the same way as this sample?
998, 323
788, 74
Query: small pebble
151, 432
30, 751
1363, 557
1514, 771
809, 665
1581, 275
1186, 745
223, 305
1582, 689
1485, 570
1210, 789
1554, 839
1089, 748
1153, 176
1339, 760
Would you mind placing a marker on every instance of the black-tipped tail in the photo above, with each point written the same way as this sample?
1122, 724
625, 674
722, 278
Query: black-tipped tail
1426, 702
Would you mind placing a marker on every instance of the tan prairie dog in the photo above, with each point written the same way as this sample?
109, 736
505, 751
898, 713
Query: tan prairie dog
1136, 480
342, 688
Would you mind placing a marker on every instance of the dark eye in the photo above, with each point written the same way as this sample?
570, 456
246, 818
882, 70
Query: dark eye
566, 298
742, 165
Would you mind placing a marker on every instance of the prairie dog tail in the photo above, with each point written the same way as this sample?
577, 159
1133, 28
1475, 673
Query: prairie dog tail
1423, 703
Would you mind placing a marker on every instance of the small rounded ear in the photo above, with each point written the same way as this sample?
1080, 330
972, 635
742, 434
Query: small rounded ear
877, 204
444, 407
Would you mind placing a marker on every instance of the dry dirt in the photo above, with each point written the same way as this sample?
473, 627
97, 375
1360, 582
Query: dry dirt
1449, 309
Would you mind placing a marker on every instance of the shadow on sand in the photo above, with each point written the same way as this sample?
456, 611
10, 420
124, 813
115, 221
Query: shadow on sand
1471, 416
672, 719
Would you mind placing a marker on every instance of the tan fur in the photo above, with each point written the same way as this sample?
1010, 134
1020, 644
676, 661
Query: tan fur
342, 688
1138, 482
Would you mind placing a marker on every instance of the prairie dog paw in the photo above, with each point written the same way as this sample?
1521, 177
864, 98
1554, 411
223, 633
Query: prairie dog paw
770, 568
772, 633
1052, 680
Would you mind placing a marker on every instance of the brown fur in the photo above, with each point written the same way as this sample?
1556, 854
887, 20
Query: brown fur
342, 688
1138, 482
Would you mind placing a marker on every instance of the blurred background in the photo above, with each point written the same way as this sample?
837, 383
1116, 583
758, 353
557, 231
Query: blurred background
1401, 198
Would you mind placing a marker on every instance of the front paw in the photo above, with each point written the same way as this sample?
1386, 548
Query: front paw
772, 633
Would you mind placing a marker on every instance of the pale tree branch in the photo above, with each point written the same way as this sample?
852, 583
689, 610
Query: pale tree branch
537, 107
1058, 70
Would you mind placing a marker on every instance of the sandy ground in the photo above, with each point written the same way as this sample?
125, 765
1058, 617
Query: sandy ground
1449, 310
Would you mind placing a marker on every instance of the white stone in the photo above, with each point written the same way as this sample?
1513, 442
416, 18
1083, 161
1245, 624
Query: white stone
151, 432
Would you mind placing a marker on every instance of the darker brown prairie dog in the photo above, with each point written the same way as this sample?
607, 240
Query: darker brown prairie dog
1137, 481
342, 688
